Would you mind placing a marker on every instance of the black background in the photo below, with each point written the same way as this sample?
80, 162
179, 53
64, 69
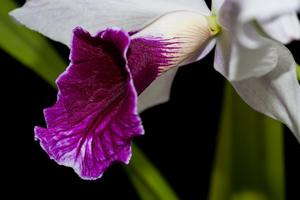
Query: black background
180, 137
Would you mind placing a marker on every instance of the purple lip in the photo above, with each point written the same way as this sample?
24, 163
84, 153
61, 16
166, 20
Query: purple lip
95, 117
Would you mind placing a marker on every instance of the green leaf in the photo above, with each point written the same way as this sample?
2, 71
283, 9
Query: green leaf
249, 161
35, 52
148, 181
29, 48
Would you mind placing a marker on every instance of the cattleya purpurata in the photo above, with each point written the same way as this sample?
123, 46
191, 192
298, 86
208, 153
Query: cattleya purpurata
124, 48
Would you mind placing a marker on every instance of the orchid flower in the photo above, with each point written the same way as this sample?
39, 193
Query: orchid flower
124, 49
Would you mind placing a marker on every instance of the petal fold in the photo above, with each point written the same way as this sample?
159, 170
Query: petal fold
241, 51
262, 70
276, 94
284, 28
275, 17
257, 9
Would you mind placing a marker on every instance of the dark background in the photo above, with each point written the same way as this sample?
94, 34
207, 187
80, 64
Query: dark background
180, 137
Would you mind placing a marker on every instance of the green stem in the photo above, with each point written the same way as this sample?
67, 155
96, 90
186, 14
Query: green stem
249, 158
148, 181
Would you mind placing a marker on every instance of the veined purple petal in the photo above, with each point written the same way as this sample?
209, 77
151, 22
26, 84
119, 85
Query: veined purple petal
194, 40
147, 58
95, 117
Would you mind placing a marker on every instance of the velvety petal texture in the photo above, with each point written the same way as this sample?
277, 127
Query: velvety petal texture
95, 116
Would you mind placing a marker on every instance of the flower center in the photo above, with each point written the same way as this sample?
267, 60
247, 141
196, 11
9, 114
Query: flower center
213, 24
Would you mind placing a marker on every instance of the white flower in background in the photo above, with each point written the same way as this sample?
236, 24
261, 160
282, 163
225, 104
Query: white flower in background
95, 116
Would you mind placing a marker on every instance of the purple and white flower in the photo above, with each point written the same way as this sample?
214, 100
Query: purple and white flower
124, 49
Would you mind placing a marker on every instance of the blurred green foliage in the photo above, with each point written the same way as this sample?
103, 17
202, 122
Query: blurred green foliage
249, 163
28, 47
147, 179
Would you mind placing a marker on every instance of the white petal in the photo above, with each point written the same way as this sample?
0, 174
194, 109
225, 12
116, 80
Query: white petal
284, 28
242, 50
216, 5
222, 54
265, 11
277, 94
201, 53
57, 18
158, 92
237, 62
189, 32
